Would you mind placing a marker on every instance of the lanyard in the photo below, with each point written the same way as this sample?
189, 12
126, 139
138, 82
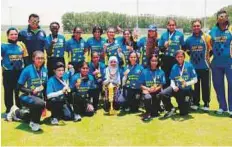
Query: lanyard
170, 35
181, 71
62, 82
39, 75
153, 77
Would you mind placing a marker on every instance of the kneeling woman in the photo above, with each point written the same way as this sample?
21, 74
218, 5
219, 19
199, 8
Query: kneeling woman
57, 93
131, 84
152, 79
183, 76
82, 84
35, 77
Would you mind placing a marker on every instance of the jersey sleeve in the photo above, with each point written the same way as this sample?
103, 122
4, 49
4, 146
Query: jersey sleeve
23, 76
50, 86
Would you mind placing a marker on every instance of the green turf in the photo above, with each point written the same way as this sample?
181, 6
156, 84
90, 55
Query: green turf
198, 129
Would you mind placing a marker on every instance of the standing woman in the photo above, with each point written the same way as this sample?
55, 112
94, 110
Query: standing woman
222, 61
97, 70
152, 79
55, 47
76, 47
12, 64
32, 82
112, 48
198, 46
148, 45
95, 43
127, 44
130, 81
81, 85
170, 41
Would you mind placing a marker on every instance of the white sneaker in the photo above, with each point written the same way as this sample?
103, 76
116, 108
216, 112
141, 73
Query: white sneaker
11, 115
194, 107
170, 113
77, 117
54, 121
34, 126
205, 109
127, 109
230, 113
219, 111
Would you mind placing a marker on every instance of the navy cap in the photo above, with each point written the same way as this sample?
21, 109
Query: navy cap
152, 28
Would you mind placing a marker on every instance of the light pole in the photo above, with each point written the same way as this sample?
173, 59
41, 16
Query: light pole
10, 15
137, 21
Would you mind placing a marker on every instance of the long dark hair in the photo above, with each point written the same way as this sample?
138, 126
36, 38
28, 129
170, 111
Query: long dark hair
134, 44
149, 61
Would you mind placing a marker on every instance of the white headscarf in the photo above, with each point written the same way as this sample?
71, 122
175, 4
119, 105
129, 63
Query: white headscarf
112, 73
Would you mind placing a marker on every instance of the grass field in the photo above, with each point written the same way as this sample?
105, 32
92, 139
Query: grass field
197, 129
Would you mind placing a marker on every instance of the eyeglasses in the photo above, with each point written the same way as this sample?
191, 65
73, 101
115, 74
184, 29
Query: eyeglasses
113, 61
39, 58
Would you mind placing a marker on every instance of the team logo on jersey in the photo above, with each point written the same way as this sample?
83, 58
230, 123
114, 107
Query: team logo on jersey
177, 37
44, 74
29, 34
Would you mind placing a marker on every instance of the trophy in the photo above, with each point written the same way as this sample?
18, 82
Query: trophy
181, 80
111, 98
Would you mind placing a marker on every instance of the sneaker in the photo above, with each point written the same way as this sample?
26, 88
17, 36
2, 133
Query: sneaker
127, 109
170, 113
54, 121
230, 113
219, 111
194, 107
147, 117
77, 117
206, 109
11, 115
34, 126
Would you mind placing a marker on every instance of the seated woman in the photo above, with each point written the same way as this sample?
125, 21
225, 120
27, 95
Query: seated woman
131, 85
152, 79
34, 76
182, 77
97, 70
112, 76
81, 85
57, 93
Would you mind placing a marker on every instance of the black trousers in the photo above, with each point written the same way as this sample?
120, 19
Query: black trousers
132, 99
80, 105
182, 97
10, 80
167, 63
56, 108
203, 76
52, 62
95, 93
152, 105
35, 105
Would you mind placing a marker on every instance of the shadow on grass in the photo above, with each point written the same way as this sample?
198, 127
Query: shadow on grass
177, 117
214, 113
25, 127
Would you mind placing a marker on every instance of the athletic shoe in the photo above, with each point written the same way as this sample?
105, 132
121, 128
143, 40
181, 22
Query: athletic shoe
194, 107
147, 117
206, 109
219, 111
170, 113
127, 109
77, 117
230, 113
11, 115
34, 126
54, 121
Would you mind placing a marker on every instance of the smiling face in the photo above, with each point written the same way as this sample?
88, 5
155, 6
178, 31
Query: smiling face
133, 58
196, 27
180, 58
95, 58
171, 25
97, 34
39, 59
59, 72
13, 35
54, 29
84, 69
154, 62
110, 33
34, 22
127, 35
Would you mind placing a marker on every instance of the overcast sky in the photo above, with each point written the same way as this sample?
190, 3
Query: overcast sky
52, 10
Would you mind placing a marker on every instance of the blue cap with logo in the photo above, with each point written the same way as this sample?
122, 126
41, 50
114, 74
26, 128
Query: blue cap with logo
152, 28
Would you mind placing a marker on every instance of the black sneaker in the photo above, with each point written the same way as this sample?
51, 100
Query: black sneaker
147, 117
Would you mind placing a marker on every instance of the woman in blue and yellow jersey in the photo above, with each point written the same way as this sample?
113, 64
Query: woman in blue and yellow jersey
82, 85
32, 82
97, 70
76, 47
152, 79
12, 54
95, 43
147, 46
127, 44
112, 48
170, 41
131, 84
198, 47
221, 64
55, 47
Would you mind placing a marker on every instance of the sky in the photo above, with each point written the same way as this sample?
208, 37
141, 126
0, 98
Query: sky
17, 11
